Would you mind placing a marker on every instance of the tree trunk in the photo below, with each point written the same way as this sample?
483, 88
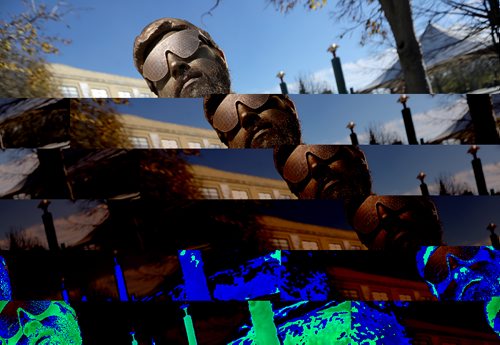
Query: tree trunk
399, 15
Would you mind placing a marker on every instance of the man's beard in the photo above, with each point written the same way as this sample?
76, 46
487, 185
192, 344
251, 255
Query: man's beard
218, 83
288, 134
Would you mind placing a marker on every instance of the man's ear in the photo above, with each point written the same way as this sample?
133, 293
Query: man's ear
290, 103
221, 54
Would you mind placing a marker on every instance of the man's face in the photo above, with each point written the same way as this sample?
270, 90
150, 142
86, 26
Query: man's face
40, 323
461, 273
182, 64
257, 121
327, 172
397, 222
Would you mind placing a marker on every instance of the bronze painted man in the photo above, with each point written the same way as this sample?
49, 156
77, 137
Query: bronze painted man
178, 59
253, 121
341, 172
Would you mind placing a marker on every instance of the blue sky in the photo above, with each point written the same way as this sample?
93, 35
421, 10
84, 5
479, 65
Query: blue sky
468, 230
323, 117
394, 168
258, 40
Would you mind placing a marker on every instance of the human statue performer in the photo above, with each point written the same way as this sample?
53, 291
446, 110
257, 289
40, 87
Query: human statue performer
341, 172
178, 59
253, 121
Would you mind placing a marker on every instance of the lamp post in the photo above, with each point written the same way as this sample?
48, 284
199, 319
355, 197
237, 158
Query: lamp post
354, 136
64, 291
423, 186
48, 223
284, 88
495, 242
337, 69
189, 326
478, 171
120, 280
410, 129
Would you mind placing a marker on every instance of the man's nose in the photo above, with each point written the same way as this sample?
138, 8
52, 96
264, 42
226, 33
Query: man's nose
29, 324
248, 116
177, 66
316, 166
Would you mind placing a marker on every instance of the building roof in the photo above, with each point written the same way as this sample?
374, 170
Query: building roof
439, 45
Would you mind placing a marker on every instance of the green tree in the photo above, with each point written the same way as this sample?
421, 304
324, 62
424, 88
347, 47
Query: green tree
23, 47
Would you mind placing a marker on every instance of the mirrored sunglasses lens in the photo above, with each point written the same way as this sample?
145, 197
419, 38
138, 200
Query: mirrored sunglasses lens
226, 116
183, 44
296, 168
253, 101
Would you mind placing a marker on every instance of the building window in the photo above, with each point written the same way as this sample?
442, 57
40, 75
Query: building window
334, 246
69, 91
280, 243
285, 197
139, 142
350, 294
144, 95
354, 247
124, 94
214, 146
99, 93
169, 144
193, 145
310, 245
405, 298
209, 193
265, 196
239, 194
380, 296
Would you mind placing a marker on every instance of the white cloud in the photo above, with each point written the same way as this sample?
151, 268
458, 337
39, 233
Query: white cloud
491, 174
69, 230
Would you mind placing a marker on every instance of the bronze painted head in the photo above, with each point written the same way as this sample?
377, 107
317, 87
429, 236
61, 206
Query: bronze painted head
253, 121
178, 59
324, 171
398, 222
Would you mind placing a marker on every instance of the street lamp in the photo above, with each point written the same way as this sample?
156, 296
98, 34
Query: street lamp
423, 186
48, 223
354, 137
495, 242
337, 69
410, 129
284, 88
478, 171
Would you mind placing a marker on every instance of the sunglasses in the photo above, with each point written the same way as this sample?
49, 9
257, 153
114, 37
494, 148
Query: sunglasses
226, 116
296, 167
438, 266
9, 316
183, 44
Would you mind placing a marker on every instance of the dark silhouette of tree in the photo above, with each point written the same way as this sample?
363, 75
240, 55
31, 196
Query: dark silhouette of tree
34, 123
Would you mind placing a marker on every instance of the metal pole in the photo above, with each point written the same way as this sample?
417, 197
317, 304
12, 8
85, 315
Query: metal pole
48, 223
339, 75
478, 171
